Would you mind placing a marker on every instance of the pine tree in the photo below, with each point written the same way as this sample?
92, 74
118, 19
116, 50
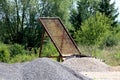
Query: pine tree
85, 8
80, 14
107, 8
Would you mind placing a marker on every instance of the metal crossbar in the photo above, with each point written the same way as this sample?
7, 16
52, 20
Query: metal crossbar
60, 37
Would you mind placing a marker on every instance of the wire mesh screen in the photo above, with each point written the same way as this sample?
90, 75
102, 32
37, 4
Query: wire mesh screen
59, 36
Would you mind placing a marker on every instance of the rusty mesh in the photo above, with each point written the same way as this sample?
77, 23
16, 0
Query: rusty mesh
59, 36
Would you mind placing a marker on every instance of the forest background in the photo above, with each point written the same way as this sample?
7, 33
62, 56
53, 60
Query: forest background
93, 25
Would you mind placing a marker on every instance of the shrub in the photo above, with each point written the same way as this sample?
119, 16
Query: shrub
14, 53
4, 53
110, 40
16, 49
22, 58
49, 50
94, 30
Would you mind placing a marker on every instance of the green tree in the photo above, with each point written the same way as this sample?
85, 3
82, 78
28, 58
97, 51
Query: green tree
107, 8
85, 8
57, 8
19, 23
19, 19
94, 30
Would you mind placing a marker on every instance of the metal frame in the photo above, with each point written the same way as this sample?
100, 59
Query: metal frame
46, 30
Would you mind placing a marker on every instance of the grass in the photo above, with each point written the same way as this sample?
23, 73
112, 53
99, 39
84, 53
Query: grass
22, 58
110, 55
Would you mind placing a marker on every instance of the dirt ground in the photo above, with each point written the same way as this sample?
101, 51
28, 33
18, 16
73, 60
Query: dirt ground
113, 74
115, 68
102, 75
93, 68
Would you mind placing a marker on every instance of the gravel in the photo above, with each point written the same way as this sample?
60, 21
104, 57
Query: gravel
86, 65
10, 72
38, 69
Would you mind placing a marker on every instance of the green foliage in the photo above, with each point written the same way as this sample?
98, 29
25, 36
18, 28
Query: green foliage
94, 30
14, 53
16, 49
19, 24
97, 53
22, 58
110, 55
117, 56
49, 50
109, 10
85, 9
4, 53
15, 21
19, 19
110, 40
56, 8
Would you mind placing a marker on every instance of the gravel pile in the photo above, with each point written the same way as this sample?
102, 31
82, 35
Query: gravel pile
38, 69
86, 65
10, 72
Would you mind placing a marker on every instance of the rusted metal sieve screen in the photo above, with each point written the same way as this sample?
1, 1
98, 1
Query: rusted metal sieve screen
59, 36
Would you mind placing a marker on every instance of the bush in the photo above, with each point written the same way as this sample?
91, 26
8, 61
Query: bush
4, 53
94, 30
22, 58
16, 49
14, 53
110, 40
49, 50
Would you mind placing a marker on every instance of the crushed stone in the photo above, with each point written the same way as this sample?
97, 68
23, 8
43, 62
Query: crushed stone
86, 65
38, 69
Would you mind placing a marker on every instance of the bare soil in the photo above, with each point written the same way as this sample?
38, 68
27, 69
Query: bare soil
93, 68
115, 68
